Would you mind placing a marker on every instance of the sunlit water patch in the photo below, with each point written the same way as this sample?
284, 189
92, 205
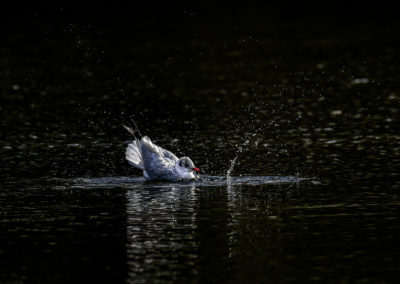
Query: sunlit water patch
203, 181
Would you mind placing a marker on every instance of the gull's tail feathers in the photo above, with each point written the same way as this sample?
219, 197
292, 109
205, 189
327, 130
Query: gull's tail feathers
130, 130
133, 154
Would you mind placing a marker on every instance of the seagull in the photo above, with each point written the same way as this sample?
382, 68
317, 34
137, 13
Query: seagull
156, 162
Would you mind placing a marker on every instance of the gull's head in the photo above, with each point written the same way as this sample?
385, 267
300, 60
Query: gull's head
185, 167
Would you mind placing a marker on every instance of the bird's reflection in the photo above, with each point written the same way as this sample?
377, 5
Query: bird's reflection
190, 231
160, 231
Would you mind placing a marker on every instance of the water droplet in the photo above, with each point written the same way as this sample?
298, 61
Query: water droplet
336, 112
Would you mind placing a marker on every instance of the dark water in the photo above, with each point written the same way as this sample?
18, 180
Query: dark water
310, 110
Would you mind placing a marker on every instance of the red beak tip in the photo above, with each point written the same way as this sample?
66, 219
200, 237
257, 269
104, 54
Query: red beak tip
196, 169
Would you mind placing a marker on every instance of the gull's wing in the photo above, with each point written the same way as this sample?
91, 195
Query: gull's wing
168, 155
157, 161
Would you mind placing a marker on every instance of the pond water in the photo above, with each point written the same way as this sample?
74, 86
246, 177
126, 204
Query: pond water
304, 118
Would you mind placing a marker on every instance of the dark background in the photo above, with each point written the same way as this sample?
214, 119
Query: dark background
83, 69
312, 86
161, 15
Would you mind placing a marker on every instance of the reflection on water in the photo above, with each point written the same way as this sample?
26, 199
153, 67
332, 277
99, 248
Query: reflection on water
161, 228
202, 181
183, 232
224, 233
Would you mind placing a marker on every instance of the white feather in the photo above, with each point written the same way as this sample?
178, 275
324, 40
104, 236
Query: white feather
133, 155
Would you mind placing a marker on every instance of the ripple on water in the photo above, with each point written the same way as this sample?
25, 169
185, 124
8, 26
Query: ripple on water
204, 181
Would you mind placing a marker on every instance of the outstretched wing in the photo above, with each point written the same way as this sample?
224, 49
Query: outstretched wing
157, 161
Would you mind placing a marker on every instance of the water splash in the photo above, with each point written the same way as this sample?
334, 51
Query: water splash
233, 162
228, 172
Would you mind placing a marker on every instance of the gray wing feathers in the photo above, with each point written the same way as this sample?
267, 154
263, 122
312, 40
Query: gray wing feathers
134, 155
146, 143
157, 161
169, 155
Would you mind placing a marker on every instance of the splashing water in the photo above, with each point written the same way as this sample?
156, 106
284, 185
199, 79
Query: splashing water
228, 172
233, 162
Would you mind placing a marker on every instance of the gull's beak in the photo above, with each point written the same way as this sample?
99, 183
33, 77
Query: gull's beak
196, 169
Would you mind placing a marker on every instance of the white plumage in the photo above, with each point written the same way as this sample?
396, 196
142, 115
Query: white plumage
133, 155
158, 163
